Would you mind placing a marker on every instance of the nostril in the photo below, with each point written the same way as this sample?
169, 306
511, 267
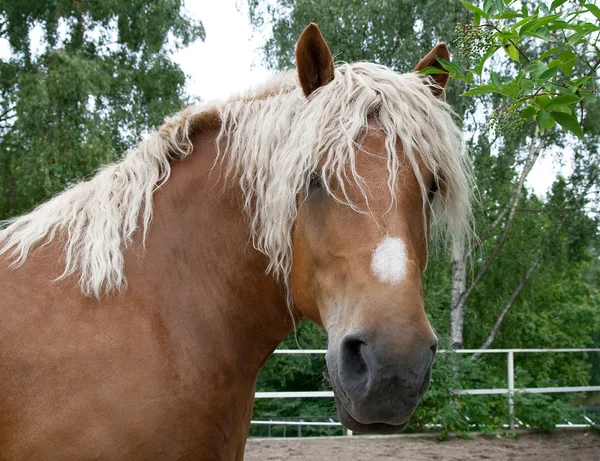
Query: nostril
353, 345
353, 364
434, 348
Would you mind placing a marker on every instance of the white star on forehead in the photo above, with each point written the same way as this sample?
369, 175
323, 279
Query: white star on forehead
390, 260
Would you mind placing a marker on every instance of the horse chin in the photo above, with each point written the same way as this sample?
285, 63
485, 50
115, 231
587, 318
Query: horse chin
372, 428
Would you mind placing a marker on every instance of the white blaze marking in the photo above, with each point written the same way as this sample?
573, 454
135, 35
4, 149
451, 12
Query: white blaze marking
390, 260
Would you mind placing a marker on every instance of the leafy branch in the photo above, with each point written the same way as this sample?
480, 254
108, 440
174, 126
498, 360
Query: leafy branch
548, 89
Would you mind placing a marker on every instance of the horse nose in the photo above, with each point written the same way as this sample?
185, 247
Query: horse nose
354, 369
434, 346
374, 374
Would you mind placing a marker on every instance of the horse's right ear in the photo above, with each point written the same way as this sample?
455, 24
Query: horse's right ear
313, 60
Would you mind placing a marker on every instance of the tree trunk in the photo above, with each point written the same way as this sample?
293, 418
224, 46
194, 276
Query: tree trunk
457, 301
460, 293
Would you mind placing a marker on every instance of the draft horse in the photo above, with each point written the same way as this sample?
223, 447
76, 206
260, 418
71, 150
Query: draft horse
138, 307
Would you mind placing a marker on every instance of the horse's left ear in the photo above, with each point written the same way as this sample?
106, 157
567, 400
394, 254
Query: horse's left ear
440, 51
313, 60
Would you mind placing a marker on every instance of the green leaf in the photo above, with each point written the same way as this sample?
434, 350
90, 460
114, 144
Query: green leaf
569, 59
528, 112
536, 68
573, 39
432, 70
555, 63
550, 52
508, 35
568, 122
589, 96
496, 80
514, 106
489, 6
565, 99
451, 67
560, 24
511, 51
525, 20
508, 15
593, 9
476, 9
542, 100
542, 119
512, 90
525, 85
588, 27
483, 89
549, 74
541, 32
564, 109
556, 4
532, 26
558, 88
580, 81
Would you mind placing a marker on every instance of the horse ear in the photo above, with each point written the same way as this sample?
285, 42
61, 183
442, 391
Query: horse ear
440, 80
313, 60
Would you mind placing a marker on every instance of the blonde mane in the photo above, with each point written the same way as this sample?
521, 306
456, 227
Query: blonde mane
275, 138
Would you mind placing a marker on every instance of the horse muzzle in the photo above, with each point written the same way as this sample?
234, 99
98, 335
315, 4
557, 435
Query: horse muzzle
378, 386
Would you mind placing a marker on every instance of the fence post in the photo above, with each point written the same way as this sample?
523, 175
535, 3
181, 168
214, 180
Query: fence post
511, 390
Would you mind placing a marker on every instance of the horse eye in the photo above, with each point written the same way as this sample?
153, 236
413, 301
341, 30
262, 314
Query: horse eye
433, 188
316, 182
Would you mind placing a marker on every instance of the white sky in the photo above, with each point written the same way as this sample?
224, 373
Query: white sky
228, 61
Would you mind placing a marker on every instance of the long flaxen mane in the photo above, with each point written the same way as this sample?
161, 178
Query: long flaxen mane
275, 139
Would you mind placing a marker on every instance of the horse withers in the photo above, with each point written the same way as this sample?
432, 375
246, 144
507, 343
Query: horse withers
138, 307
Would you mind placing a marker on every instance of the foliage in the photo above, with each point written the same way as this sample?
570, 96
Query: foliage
554, 60
83, 81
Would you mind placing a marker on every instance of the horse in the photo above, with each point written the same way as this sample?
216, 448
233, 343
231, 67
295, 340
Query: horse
139, 306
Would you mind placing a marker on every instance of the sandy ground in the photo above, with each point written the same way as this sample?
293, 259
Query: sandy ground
561, 446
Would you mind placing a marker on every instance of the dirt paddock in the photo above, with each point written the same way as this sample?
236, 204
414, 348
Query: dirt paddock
561, 446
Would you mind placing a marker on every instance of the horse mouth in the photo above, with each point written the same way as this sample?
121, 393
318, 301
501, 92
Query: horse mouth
371, 428
351, 423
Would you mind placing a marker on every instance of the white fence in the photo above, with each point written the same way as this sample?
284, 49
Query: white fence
509, 391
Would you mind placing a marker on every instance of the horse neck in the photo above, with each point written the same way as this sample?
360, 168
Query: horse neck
199, 263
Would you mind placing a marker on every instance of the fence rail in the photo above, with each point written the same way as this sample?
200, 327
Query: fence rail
509, 391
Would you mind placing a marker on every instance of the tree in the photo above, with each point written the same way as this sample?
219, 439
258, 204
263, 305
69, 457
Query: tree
99, 78
548, 77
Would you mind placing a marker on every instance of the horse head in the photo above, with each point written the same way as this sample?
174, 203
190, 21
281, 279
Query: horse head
360, 245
